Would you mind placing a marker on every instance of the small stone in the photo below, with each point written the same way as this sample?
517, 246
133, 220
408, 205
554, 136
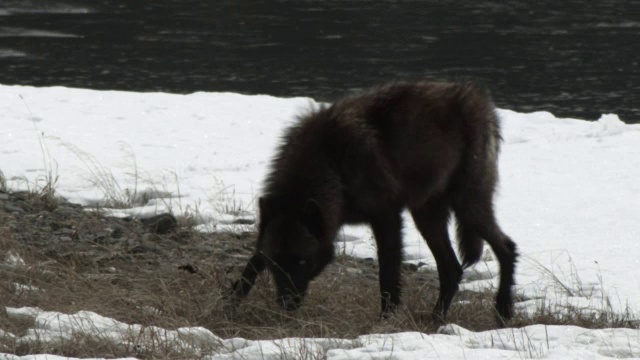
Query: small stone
109, 270
4, 196
244, 221
130, 243
13, 226
183, 235
13, 209
65, 212
116, 232
232, 251
167, 244
21, 195
152, 238
160, 224
13, 259
192, 269
410, 267
72, 233
143, 249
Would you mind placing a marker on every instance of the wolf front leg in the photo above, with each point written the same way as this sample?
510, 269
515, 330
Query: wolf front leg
387, 230
242, 286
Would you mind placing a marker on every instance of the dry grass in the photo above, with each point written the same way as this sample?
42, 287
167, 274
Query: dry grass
3, 182
151, 290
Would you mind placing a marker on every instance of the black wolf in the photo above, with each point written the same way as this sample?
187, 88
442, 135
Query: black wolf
429, 147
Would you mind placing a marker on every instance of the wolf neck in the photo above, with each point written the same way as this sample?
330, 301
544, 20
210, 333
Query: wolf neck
302, 171
293, 191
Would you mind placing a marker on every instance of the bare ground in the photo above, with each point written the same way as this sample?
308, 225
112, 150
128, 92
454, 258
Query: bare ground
75, 259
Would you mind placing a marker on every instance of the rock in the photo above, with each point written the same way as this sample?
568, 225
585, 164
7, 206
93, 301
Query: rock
100, 239
67, 212
143, 249
116, 232
160, 224
109, 270
55, 226
167, 244
21, 195
13, 225
60, 201
13, 209
410, 267
231, 251
192, 269
182, 236
354, 271
243, 221
72, 233
151, 238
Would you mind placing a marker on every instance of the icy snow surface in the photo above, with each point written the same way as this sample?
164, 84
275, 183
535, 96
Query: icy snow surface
569, 196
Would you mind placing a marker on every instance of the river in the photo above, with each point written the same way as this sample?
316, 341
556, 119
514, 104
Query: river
572, 58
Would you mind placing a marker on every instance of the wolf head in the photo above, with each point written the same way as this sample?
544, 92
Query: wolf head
294, 248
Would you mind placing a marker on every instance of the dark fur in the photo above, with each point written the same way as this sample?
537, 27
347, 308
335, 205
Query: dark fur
425, 146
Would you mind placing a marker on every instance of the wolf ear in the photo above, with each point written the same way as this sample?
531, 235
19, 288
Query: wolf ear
312, 218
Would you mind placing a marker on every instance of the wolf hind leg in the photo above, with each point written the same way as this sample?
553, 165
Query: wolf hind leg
432, 219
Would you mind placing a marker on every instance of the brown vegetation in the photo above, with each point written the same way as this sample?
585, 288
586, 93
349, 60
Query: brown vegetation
177, 281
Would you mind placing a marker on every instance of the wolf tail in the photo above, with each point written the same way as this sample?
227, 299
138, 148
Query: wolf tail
474, 182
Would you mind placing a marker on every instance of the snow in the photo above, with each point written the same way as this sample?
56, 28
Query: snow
451, 342
569, 196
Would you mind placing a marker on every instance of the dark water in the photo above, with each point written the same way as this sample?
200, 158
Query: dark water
573, 58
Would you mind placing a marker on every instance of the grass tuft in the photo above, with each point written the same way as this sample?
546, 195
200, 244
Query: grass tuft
3, 182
